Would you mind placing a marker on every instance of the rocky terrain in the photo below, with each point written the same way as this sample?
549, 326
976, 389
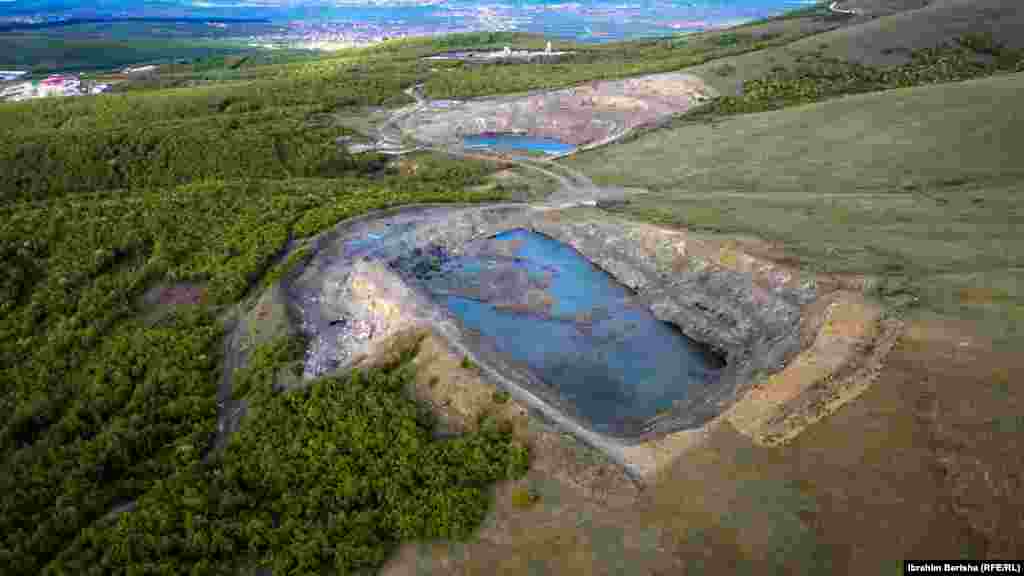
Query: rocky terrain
589, 114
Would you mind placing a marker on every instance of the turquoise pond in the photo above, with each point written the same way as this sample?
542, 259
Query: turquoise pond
539, 303
517, 142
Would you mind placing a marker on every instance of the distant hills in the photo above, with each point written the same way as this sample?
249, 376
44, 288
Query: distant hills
14, 26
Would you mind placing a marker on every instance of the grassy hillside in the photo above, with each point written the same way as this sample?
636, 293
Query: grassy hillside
917, 184
885, 33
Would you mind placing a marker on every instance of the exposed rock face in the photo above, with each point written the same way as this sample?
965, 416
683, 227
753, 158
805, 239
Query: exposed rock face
379, 299
710, 303
753, 323
373, 304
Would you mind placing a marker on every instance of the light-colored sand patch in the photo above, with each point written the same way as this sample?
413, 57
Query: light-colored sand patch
840, 364
619, 103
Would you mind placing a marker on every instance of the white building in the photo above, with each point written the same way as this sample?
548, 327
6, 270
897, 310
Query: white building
140, 69
22, 91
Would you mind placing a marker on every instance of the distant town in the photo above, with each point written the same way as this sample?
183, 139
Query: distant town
311, 35
56, 85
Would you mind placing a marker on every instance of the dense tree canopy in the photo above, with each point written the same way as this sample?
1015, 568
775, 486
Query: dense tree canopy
356, 473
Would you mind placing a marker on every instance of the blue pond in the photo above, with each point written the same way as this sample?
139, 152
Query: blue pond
539, 302
517, 142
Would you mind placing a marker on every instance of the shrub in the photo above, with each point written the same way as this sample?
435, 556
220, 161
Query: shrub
730, 39
525, 497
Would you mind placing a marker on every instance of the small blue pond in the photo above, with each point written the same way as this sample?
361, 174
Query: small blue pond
517, 142
541, 303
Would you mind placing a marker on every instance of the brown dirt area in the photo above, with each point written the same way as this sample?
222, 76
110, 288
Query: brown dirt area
925, 463
160, 300
175, 294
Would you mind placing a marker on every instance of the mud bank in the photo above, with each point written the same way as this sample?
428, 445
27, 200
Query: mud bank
787, 340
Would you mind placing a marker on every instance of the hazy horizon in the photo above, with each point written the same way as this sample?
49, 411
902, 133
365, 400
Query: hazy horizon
585, 20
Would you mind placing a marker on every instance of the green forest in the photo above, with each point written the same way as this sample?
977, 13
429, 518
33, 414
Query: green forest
99, 404
104, 197
357, 473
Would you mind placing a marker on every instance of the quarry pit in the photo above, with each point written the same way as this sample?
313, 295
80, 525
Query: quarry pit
578, 118
634, 339
691, 332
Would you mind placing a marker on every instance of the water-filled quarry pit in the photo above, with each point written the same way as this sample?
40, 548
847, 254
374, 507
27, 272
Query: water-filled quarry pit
634, 339
545, 308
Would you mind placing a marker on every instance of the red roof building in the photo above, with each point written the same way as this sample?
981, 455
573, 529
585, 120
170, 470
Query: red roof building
56, 80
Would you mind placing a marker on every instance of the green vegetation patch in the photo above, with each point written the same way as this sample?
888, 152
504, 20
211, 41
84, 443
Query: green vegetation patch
275, 144
98, 404
299, 257
524, 497
257, 380
817, 78
324, 85
601, 62
356, 472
